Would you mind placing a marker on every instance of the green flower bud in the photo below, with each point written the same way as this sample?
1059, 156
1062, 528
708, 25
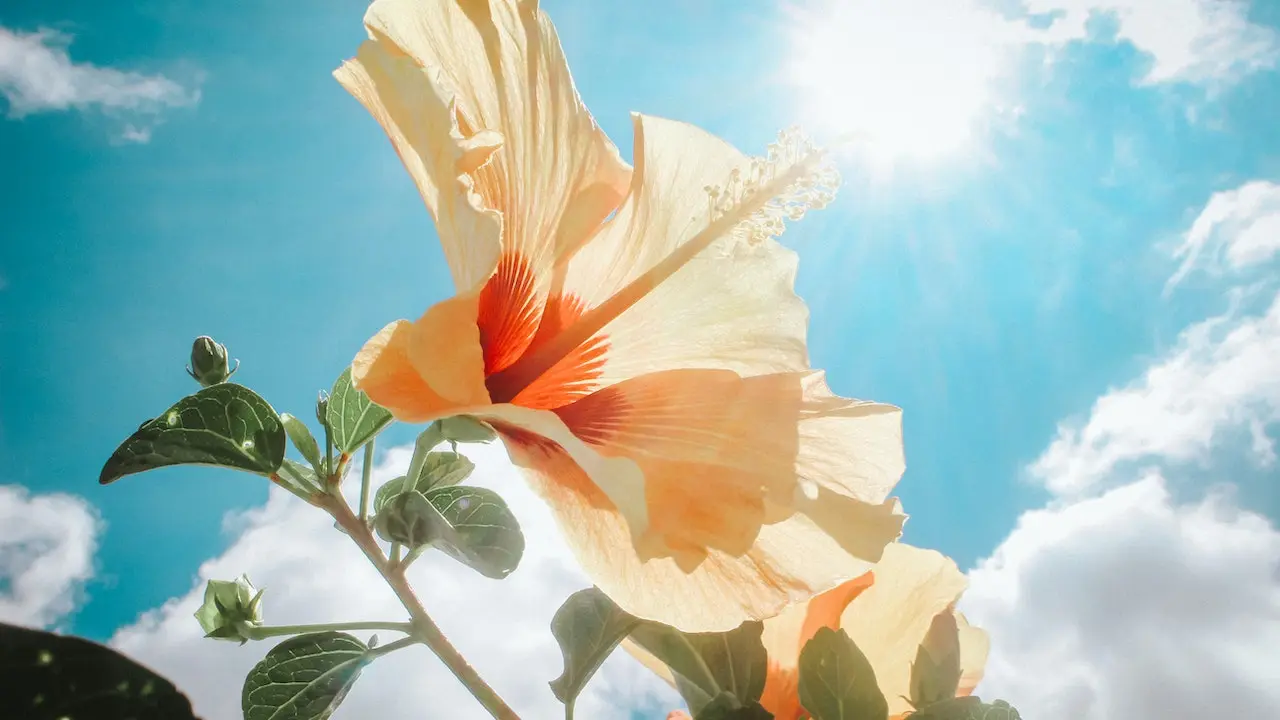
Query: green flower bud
230, 609
209, 364
322, 408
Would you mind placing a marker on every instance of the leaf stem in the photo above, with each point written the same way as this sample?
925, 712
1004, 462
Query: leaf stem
425, 629
262, 633
366, 472
393, 646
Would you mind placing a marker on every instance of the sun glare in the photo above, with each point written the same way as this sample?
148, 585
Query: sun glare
907, 78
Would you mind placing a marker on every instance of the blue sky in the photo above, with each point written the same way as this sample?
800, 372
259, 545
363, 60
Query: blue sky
995, 290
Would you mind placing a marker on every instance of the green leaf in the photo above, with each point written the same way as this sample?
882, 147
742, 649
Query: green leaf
966, 708
302, 478
304, 678
302, 439
224, 425
409, 518
48, 677
437, 469
836, 680
726, 706
482, 532
588, 626
353, 417
708, 664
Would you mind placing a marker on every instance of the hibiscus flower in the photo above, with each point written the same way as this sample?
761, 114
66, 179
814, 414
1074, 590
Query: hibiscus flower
908, 599
631, 333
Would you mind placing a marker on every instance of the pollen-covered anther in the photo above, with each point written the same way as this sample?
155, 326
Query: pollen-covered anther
813, 186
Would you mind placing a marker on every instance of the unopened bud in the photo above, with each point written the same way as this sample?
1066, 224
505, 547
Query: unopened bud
322, 408
230, 610
209, 364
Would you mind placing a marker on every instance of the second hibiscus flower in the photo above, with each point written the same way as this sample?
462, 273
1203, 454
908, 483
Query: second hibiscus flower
631, 333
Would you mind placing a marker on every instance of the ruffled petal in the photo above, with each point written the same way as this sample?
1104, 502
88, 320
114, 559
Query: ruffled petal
792, 557
497, 66
723, 455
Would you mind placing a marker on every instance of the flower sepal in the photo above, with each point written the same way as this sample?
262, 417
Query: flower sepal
231, 610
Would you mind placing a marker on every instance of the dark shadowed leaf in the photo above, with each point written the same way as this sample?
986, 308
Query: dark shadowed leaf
409, 518
588, 626
708, 664
353, 417
836, 680
304, 678
966, 708
48, 677
225, 425
726, 706
482, 533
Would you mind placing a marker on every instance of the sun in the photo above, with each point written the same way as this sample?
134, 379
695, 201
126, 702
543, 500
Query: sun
904, 78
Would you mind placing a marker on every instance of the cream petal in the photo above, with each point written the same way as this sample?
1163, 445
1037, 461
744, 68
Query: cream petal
731, 306
790, 560
717, 448
556, 176
418, 116
889, 620
975, 645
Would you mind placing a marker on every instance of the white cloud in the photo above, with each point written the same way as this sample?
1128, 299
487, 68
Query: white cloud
1222, 375
1201, 41
1130, 605
37, 74
312, 573
1239, 226
47, 544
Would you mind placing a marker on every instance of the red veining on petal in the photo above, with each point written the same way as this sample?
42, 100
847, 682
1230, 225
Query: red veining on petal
512, 324
508, 314
573, 377
597, 417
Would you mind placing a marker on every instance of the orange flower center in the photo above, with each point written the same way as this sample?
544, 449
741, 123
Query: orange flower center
514, 322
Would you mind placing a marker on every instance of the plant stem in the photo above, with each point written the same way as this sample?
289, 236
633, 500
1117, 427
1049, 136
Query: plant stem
425, 629
395, 554
365, 472
262, 633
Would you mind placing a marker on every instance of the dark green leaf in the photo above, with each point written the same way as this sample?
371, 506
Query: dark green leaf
48, 677
588, 626
302, 439
353, 417
225, 425
966, 708
726, 706
708, 664
304, 678
482, 532
409, 518
836, 680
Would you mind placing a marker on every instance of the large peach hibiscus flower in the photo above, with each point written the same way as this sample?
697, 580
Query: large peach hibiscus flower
632, 334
